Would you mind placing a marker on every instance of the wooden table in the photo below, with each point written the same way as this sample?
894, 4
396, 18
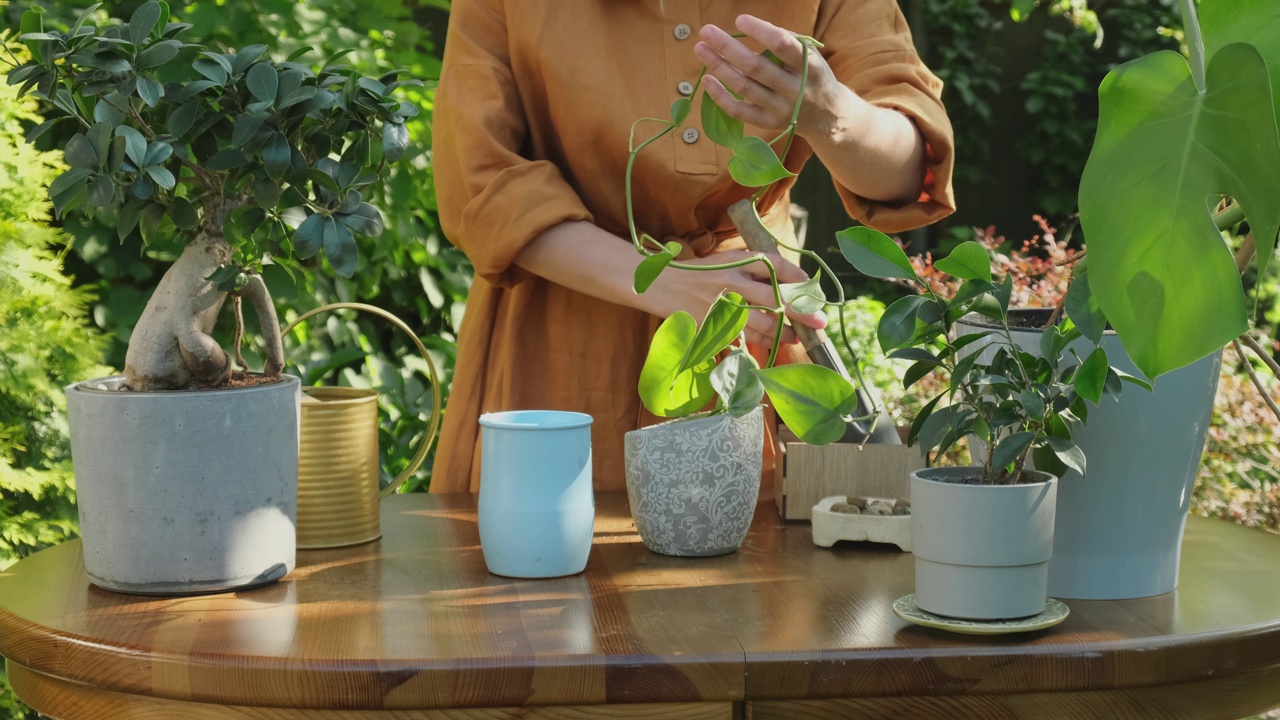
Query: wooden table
412, 625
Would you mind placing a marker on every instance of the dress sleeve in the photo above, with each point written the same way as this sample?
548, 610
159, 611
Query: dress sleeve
492, 199
868, 46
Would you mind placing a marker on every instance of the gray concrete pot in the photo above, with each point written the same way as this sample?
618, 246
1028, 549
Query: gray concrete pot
185, 492
693, 484
982, 551
1119, 528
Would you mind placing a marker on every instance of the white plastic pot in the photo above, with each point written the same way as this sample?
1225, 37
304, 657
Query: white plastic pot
982, 551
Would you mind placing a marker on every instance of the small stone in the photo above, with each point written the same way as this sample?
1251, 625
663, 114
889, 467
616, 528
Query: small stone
878, 509
846, 509
902, 506
858, 502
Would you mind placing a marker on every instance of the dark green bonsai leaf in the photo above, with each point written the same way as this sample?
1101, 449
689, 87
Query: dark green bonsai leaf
308, 238
340, 248
969, 261
395, 140
1091, 376
812, 400
364, 219
874, 254
718, 126
1083, 309
665, 389
1068, 453
755, 164
921, 418
898, 323
736, 383
143, 21
1158, 266
1011, 448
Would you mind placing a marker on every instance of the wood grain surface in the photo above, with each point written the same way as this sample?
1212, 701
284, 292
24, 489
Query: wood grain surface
415, 622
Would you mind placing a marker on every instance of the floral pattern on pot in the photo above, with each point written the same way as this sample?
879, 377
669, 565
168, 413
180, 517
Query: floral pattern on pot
693, 484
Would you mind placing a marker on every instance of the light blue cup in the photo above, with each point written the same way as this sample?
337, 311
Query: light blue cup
537, 510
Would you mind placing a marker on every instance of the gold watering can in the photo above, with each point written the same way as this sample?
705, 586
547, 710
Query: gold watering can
338, 462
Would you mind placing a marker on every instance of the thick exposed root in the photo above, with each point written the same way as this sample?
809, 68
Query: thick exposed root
171, 347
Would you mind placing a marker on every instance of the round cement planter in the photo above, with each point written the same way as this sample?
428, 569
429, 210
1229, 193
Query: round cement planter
982, 551
1119, 528
185, 492
693, 484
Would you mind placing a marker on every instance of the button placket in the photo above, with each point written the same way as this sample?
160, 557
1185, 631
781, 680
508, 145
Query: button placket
691, 154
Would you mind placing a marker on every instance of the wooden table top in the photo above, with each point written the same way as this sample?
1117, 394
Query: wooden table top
415, 621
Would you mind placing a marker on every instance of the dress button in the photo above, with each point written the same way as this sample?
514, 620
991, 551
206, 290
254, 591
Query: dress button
682, 32
685, 87
690, 135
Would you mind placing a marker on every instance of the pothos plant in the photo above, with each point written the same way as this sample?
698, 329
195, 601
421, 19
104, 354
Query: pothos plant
247, 160
1018, 404
687, 366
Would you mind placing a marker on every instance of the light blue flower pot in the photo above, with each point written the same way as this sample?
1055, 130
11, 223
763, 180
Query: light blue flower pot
537, 510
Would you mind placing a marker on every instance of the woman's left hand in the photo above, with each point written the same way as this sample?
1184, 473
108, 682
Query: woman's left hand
768, 91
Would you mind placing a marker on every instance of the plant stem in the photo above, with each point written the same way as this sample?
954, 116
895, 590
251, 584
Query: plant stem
1261, 352
1195, 42
1253, 375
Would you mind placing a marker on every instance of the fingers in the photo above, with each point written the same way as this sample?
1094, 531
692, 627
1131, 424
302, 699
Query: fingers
787, 271
743, 70
782, 43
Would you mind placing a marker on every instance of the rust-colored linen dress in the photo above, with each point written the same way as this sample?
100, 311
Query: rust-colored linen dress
535, 103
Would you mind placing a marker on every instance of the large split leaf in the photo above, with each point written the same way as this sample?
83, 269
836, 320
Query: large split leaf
1157, 265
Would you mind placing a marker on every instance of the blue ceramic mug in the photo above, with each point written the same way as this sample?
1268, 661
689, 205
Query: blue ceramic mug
537, 510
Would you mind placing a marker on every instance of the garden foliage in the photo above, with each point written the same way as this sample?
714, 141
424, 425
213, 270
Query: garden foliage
410, 270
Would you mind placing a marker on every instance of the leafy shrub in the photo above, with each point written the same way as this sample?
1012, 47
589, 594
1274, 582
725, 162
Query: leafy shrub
44, 345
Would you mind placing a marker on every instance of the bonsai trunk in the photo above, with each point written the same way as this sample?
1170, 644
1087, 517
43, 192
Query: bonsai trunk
171, 347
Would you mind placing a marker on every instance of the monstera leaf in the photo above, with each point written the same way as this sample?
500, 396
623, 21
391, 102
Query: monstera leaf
1165, 150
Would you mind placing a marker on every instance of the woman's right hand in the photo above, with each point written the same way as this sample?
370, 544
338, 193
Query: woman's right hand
695, 291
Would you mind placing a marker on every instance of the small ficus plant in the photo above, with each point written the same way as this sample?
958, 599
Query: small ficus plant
248, 160
682, 373
1021, 406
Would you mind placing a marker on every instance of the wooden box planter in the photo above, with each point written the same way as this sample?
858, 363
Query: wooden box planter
805, 474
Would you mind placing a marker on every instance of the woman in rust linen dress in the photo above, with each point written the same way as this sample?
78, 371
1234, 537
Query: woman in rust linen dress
535, 103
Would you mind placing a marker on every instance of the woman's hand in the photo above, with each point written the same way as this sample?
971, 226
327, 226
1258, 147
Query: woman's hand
769, 91
695, 291
875, 152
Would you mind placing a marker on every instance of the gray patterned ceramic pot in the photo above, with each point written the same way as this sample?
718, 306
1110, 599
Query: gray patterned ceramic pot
693, 484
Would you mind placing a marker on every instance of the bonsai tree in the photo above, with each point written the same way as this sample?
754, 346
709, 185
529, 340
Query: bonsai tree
248, 160
1019, 405
684, 370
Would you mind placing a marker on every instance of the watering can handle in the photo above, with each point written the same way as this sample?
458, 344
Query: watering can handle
433, 427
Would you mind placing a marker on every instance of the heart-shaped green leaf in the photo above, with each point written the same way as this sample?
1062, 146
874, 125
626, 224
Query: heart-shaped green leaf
1157, 265
718, 126
875, 254
804, 297
736, 383
665, 390
649, 269
723, 323
680, 110
755, 164
810, 399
